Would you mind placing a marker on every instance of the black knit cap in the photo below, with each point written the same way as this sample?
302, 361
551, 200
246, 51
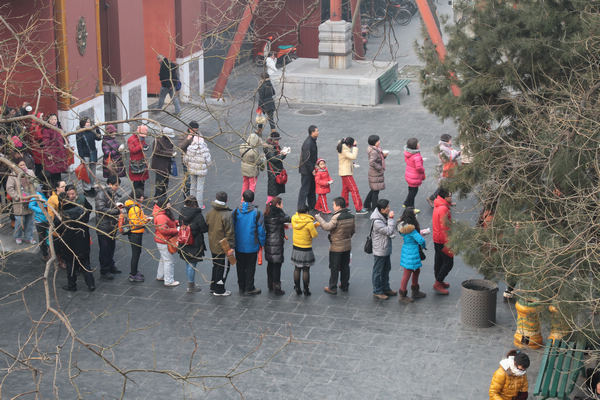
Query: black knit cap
193, 125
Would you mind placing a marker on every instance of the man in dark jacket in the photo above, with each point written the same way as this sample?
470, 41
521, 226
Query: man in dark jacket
341, 229
308, 159
107, 217
162, 156
169, 80
86, 148
249, 235
265, 99
220, 227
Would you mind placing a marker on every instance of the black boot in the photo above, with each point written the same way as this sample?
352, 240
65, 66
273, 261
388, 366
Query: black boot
416, 293
277, 289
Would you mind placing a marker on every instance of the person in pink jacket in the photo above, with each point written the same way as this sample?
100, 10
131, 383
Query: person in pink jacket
415, 172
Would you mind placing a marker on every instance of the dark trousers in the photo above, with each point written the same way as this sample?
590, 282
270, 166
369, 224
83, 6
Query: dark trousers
139, 185
371, 200
42, 230
410, 197
339, 265
271, 119
273, 274
161, 184
307, 191
218, 270
443, 263
135, 239
187, 183
106, 252
74, 268
246, 267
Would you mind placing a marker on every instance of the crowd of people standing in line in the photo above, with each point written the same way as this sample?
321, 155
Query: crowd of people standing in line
249, 231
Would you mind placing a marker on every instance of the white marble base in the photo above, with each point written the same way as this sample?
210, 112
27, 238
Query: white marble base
335, 44
305, 82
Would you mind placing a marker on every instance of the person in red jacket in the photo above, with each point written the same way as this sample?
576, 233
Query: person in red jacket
322, 183
166, 229
444, 258
415, 172
138, 167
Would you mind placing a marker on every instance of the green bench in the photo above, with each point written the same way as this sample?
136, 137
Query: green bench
561, 365
390, 84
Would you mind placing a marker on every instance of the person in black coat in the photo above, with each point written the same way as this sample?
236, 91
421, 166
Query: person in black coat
191, 215
72, 226
308, 159
265, 99
275, 220
86, 148
275, 156
169, 82
162, 157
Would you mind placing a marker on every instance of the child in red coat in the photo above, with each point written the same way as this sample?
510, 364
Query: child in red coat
322, 183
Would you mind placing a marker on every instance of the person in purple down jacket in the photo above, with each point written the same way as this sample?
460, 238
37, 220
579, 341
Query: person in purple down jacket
415, 172
113, 160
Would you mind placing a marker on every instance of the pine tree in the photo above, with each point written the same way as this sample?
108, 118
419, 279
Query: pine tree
529, 114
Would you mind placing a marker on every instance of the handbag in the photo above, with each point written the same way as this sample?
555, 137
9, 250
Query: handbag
172, 244
368, 248
138, 167
282, 177
173, 167
422, 253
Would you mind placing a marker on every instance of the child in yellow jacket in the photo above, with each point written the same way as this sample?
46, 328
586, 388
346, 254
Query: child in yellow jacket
137, 222
304, 231
510, 380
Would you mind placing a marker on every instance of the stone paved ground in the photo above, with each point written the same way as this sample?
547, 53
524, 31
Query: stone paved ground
348, 346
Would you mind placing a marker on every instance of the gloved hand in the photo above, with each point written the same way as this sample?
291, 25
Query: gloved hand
122, 147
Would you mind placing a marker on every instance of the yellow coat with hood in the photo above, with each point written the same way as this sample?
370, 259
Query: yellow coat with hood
137, 218
304, 230
505, 385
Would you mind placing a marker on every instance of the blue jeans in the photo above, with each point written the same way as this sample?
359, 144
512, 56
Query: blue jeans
191, 271
381, 274
23, 227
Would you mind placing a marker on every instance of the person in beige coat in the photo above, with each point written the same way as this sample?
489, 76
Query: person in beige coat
20, 198
253, 161
347, 153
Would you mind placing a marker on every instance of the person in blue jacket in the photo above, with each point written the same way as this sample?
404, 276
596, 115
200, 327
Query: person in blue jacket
37, 205
410, 257
249, 236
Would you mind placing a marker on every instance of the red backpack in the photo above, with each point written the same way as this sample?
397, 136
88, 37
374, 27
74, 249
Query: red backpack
184, 237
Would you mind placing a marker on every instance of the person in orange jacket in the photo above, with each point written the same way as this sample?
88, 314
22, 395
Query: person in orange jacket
444, 258
322, 186
510, 380
166, 230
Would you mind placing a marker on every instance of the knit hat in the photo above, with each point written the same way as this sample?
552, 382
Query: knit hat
193, 125
143, 129
319, 160
275, 135
111, 129
168, 131
222, 196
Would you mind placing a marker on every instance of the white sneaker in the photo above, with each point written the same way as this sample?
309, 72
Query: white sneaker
225, 293
508, 294
172, 284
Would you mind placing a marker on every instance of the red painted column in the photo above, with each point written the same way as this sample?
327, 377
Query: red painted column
335, 13
436, 37
234, 50
359, 50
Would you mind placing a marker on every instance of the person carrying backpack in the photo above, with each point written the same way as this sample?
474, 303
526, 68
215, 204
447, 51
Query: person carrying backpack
190, 239
136, 221
249, 236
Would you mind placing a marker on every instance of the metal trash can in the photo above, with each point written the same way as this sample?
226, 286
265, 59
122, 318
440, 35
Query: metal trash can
478, 303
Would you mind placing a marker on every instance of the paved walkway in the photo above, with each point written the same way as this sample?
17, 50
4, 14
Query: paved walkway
348, 346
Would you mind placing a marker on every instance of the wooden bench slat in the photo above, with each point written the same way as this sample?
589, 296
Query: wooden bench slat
543, 371
577, 366
558, 369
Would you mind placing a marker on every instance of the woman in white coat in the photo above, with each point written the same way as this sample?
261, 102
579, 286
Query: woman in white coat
197, 159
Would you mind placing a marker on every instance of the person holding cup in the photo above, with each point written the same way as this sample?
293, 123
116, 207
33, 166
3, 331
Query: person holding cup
376, 171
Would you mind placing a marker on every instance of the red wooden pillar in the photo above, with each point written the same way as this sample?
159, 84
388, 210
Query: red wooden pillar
436, 37
359, 50
336, 10
234, 50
